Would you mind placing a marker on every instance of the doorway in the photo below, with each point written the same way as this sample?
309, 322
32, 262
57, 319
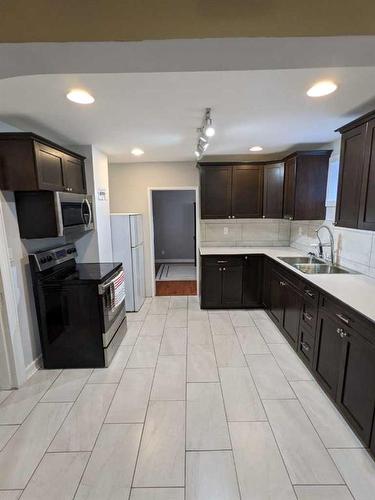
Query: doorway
174, 241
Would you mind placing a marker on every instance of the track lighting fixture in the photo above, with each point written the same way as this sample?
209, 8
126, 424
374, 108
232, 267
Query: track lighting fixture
206, 131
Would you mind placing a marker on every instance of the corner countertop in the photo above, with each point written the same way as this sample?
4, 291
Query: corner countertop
355, 290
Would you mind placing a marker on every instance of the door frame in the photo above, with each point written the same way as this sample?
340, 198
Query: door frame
151, 226
13, 372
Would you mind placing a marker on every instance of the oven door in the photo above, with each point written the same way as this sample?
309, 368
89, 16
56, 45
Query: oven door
112, 316
74, 213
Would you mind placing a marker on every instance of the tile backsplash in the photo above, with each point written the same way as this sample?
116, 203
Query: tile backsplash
354, 248
245, 232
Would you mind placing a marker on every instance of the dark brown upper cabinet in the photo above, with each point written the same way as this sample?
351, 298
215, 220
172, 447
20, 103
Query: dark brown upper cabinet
356, 187
305, 185
31, 163
216, 192
273, 194
247, 191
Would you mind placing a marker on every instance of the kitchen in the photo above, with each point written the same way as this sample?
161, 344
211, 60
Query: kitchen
260, 386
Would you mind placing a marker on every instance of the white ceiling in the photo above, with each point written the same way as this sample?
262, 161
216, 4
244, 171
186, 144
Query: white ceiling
159, 112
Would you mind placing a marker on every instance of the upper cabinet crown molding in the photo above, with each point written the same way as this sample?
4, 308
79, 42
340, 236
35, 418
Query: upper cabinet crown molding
356, 187
31, 163
293, 188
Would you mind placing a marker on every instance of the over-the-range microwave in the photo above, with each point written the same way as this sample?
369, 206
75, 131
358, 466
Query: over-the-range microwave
49, 214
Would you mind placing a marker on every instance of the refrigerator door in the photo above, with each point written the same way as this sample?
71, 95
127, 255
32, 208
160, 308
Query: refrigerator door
122, 252
136, 229
139, 291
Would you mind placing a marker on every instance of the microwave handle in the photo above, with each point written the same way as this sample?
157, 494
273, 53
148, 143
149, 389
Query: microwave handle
58, 212
90, 212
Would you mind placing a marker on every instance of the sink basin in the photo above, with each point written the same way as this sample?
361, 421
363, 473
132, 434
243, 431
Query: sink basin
301, 260
313, 265
321, 269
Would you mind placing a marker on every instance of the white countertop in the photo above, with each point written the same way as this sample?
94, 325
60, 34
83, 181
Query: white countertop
355, 290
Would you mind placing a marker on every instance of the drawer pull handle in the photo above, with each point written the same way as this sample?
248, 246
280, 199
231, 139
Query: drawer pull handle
307, 316
222, 261
343, 318
342, 333
282, 283
305, 346
309, 293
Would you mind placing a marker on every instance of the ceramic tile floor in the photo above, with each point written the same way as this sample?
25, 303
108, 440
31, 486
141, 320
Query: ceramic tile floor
196, 405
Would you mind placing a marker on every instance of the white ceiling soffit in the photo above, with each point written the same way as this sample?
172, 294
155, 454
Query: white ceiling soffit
219, 54
160, 112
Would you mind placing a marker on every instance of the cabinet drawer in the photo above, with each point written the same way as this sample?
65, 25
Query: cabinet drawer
310, 293
306, 344
222, 260
309, 315
348, 318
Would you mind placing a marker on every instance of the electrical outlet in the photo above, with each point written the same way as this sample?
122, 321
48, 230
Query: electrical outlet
225, 230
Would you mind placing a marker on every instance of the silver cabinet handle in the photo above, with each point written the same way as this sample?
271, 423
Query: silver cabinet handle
224, 269
220, 269
307, 316
343, 318
305, 346
309, 293
222, 261
282, 283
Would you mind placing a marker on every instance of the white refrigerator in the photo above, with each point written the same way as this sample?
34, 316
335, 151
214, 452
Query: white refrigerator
127, 245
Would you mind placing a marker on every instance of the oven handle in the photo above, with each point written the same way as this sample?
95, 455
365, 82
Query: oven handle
102, 288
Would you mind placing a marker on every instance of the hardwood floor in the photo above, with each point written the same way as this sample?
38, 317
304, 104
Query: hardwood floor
176, 288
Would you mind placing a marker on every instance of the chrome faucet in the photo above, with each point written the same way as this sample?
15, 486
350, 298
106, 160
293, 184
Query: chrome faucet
321, 245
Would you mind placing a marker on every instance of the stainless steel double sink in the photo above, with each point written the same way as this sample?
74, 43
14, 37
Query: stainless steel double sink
313, 265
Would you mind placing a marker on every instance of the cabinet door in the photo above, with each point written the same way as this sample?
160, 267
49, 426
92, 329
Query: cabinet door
289, 187
356, 394
232, 277
273, 192
350, 177
247, 191
49, 165
292, 302
211, 285
276, 297
74, 174
328, 353
252, 281
216, 187
367, 202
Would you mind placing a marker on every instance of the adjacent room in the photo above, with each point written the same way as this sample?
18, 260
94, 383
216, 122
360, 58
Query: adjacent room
187, 250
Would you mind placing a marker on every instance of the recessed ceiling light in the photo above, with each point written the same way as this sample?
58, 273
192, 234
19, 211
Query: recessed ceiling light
256, 148
322, 88
137, 152
80, 96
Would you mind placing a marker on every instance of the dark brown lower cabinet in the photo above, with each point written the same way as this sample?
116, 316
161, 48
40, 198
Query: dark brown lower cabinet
356, 391
266, 283
276, 305
252, 281
221, 282
328, 354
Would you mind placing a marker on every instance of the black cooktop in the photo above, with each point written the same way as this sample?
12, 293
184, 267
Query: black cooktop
86, 272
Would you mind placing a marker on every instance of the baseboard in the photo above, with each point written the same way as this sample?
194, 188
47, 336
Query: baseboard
34, 366
174, 261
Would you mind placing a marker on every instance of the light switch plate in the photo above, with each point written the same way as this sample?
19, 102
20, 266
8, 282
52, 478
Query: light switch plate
225, 230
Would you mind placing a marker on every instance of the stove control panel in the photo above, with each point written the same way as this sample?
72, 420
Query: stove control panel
50, 258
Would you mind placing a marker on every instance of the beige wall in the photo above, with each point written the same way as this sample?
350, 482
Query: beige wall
128, 189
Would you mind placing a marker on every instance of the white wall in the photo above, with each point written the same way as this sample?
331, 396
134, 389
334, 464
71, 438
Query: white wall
128, 186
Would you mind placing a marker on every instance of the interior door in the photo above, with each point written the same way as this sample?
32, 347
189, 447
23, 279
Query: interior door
367, 202
247, 191
216, 188
273, 192
350, 177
